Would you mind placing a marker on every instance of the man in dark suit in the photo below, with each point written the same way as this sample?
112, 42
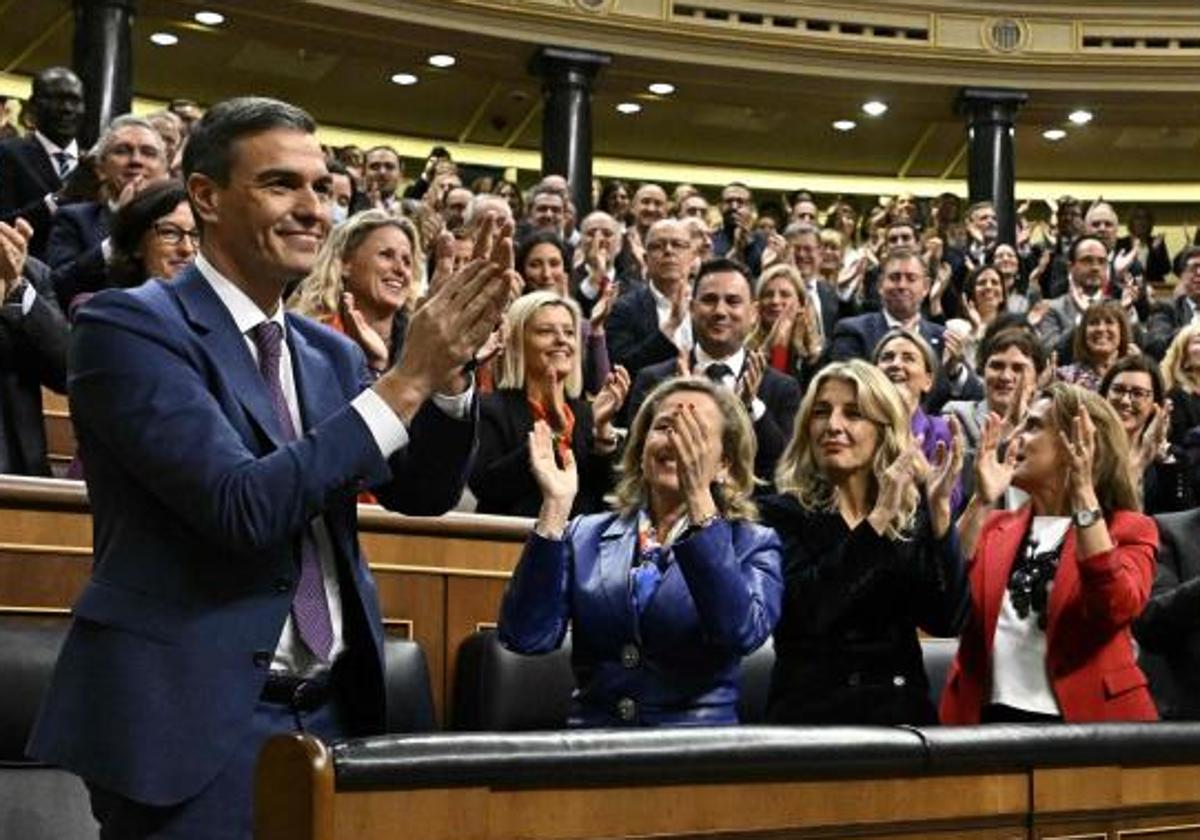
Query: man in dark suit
650, 324
722, 313
736, 239
600, 241
1169, 628
805, 242
1167, 319
226, 442
33, 352
130, 155
33, 168
903, 286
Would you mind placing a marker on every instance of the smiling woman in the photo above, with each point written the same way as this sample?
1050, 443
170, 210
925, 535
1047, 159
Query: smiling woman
869, 556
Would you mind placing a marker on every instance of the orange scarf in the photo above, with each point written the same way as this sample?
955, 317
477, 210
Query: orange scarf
562, 437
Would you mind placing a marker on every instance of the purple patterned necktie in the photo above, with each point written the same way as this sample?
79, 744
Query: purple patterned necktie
310, 609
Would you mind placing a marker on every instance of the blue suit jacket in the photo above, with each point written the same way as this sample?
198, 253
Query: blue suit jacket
197, 505
75, 251
679, 660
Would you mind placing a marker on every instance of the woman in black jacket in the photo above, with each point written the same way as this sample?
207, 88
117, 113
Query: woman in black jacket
867, 560
541, 380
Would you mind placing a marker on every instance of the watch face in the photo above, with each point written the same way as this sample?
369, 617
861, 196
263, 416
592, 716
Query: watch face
1084, 518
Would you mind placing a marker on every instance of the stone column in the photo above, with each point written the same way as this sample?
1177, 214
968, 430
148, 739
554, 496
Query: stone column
990, 114
567, 76
102, 56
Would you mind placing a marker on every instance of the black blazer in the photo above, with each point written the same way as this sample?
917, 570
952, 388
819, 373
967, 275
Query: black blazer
1166, 319
27, 176
1169, 627
33, 353
75, 251
501, 479
779, 393
634, 338
846, 647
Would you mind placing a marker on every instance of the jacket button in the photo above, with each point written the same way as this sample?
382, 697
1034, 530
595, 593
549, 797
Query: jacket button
899, 681
262, 658
631, 657
283, 585
627, 709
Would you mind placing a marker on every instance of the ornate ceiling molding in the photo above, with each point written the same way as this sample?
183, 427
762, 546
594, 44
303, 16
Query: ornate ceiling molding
1047, 46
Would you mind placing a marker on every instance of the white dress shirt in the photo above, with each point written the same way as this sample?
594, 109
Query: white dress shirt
390, 435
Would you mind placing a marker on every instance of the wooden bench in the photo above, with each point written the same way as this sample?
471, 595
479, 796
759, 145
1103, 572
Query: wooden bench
1086, 782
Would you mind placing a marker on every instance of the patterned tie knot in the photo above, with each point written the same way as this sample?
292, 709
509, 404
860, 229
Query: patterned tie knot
718, 371
63, 160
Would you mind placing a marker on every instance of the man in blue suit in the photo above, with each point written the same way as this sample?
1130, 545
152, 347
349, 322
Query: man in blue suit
903, 286
225, 443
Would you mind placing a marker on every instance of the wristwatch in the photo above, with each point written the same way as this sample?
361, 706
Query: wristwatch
1087, 518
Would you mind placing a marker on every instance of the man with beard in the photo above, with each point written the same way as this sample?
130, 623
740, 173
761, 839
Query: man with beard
1088, 267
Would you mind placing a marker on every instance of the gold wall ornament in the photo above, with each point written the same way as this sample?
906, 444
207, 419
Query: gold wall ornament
1006, 35
598, 6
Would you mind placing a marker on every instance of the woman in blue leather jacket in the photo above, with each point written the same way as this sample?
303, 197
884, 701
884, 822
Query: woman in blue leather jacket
666, 594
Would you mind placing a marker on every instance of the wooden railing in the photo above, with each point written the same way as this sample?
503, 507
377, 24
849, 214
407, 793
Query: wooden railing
440, 579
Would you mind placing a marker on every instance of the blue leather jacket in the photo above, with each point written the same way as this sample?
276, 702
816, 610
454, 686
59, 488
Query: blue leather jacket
678, 662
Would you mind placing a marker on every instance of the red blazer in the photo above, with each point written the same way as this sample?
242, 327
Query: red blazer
1094, 600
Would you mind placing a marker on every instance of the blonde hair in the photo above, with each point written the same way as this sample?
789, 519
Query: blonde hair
879, 402
1114, 482
758, 337
512, 374
319, 295
1174, 360
738, 447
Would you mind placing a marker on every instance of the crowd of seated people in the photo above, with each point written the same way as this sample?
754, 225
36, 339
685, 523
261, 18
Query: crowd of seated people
844, 425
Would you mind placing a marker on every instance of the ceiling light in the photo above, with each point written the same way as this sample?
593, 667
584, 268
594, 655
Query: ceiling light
845, 125
404, 79
662, 88
629, 107
1054, 134
209, 18
442, 60
1080, 117
874, 108
164, 39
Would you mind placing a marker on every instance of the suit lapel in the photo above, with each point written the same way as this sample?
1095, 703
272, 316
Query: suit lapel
617, 545
317, 388
43, 166
219, 335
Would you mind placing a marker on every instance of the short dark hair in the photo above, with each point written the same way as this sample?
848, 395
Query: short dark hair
132, 222
1073, 249
1189, 252
531, 241
209, 149
973, 280
1137, 363
720, 264
896, 255
336, 167
1022, 338
1105, 309
382, 148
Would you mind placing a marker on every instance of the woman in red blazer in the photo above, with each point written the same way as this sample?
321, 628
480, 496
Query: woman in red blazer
1055, 585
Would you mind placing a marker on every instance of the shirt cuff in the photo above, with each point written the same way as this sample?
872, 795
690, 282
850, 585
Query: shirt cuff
456, 406
28, 298
51, 204
106, 248
383, 423
757, 409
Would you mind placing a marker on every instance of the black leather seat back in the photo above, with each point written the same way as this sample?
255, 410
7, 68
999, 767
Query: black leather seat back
938, 655
29, 647
406, 684
496, 690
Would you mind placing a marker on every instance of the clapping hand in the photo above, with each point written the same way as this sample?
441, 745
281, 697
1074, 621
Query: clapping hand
363, 334
558, 484
14, 248
752, 377
993, 474
942, 477
697, 459
902, 474
1080, 447
609, 401
609, 289
1153, 445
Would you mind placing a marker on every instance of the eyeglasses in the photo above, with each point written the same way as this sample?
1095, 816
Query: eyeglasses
173, 234
1136, 395
661, 244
